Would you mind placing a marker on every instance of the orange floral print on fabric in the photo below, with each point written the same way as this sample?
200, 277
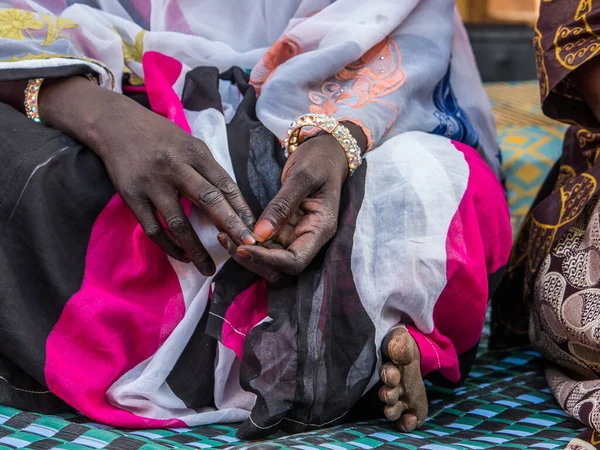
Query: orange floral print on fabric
283, 50
373, 76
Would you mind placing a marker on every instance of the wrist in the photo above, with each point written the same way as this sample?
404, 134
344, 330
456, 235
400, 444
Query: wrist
358, 134
12, 93
74, 106
336, 153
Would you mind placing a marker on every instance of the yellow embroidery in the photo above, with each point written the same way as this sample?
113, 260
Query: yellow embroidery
584, 7
135, 51
582, 43
15, 24
55, 26
541, 65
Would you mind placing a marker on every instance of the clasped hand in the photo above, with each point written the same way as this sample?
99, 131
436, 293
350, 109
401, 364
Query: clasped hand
302, 217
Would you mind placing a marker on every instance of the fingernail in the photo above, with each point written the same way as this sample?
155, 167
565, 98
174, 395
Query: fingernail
263, 230
384, 376
242, 253
209, 269
223, 241
248, 238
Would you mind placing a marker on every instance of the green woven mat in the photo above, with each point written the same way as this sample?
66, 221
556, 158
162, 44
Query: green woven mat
505, 403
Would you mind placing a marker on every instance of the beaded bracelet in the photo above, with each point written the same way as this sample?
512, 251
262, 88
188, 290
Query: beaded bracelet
331, 126
31, 98
32, 92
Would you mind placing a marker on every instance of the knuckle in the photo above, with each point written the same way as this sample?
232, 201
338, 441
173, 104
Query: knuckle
130, 191
167, 159
296, 269
178, 225
152, 231
231, 222
281, 208
198, 150
227, 186
330, 231
272, 277
209, 196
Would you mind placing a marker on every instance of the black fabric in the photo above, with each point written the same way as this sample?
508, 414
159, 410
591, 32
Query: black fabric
45, 72
255, 152
192, 378
201, 89
311, 363
51, 191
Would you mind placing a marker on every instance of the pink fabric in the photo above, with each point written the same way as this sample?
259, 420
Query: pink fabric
478, 244
130, 300
248, 309
160, 74
134, 89
129, 303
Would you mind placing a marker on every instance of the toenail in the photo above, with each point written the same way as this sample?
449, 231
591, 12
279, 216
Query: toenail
408, 422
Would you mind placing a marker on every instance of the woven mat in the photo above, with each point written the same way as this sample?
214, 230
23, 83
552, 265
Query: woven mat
505, 402
530, 142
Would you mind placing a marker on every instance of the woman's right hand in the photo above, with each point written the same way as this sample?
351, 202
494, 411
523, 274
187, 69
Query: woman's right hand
152, 164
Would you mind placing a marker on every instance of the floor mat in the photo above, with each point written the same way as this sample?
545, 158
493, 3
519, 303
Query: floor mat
505, 403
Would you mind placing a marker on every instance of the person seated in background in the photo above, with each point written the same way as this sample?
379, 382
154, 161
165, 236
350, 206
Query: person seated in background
165, 262
551, 292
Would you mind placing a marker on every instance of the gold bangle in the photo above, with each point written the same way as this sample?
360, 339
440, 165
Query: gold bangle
331, 126
31, 99
32, 92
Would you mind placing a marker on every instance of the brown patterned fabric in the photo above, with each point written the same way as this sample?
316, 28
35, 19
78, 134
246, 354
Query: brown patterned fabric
551, 294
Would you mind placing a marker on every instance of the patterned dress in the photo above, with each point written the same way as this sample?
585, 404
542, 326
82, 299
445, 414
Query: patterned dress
551, 294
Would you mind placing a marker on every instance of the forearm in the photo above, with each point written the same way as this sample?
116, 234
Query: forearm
75, 106
12, 93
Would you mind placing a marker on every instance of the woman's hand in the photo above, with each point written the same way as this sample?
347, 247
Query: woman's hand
152, 163
303, 216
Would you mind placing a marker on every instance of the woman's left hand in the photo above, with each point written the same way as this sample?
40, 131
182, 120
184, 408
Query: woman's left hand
302, 217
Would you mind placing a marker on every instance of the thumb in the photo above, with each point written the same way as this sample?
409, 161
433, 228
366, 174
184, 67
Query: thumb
280, 210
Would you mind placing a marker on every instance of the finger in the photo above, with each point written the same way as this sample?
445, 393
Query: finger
150, 223
214, 173
292, 261
261, 271
178, 224
280, 210
213, 201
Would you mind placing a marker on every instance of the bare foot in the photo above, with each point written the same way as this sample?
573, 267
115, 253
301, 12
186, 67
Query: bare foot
403, 392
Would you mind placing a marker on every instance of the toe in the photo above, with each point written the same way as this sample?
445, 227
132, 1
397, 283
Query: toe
408, 422
393, 412
390, 375
390, 395
399, 347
